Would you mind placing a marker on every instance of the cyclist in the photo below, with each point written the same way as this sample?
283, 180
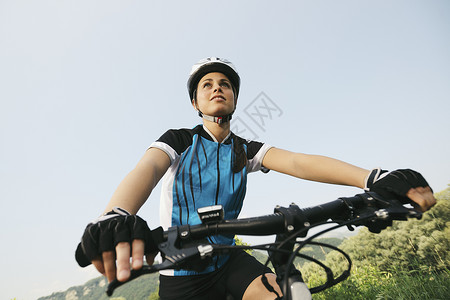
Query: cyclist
208, 165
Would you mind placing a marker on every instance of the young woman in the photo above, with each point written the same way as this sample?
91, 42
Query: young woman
208, 165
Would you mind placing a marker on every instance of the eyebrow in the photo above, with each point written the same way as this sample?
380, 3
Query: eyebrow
221, 80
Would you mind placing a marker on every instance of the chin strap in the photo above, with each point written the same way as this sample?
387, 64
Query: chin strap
218, 120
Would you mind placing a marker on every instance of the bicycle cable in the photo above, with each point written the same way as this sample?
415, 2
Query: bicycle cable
346, 273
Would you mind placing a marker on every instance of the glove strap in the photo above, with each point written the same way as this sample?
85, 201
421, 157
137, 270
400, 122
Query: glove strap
373, 176
115, 212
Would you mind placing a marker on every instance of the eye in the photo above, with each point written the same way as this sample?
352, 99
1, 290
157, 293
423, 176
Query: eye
225, 84
206, 85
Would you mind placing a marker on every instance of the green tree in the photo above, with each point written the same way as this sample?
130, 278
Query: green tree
425, 241
154, 295
240, 242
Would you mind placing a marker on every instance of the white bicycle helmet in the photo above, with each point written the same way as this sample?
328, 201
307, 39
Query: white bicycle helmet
208, 65
212, 64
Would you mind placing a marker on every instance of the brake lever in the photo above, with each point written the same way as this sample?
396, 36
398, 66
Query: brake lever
398, 213
171, 261
377, 213
174, 258
393, 208
136, 273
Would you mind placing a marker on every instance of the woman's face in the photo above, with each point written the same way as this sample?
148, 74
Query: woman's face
215, 96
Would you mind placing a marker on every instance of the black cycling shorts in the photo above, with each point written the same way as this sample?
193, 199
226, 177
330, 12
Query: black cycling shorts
233, 278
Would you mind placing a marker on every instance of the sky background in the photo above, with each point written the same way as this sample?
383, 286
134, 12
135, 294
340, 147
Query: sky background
86, 86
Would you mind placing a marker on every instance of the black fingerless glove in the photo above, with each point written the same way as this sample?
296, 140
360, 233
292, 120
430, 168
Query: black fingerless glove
112, 228
395, 184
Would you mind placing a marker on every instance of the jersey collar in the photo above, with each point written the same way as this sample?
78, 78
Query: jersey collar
214, 138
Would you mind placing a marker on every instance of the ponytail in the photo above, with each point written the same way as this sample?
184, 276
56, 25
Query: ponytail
240, 157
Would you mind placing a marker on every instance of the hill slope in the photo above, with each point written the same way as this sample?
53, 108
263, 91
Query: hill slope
142, 287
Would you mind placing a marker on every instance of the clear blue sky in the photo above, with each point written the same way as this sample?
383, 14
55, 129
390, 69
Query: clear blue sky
86, 86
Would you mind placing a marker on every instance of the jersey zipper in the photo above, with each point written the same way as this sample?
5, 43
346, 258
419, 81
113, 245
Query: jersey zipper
218, 174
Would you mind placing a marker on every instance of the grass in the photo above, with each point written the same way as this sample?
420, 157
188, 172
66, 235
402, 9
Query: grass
369, 283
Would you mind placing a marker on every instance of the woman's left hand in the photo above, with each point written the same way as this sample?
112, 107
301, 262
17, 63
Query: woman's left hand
406, 185
422, 197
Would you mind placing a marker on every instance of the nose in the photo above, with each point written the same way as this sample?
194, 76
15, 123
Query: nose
217, 87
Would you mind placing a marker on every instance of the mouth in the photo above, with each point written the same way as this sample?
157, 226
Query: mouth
218, 98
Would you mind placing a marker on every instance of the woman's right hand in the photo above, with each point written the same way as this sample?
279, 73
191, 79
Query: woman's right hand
116, 264
110, 241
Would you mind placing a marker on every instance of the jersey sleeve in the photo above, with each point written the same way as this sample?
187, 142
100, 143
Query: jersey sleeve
173, 142
255, 155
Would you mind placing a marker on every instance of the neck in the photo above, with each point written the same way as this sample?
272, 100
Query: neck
219, 131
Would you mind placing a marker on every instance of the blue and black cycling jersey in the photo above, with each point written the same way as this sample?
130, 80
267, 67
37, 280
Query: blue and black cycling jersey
201, 174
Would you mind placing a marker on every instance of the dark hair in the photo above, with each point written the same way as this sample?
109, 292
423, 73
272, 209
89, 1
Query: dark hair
240, 157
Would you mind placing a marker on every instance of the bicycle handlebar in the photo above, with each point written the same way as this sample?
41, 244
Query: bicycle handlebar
367, 209
268, 224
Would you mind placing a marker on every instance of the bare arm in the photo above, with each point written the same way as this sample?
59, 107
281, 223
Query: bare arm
329, 170
314, 167
130, 195
136, 187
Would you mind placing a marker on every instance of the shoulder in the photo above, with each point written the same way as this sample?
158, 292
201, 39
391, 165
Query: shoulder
253, 147
179, 139
255, 154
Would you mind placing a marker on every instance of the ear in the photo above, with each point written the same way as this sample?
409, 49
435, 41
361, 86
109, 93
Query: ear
194, 100
194, 104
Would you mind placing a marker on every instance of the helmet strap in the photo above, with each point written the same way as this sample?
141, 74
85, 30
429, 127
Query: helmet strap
218, 120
